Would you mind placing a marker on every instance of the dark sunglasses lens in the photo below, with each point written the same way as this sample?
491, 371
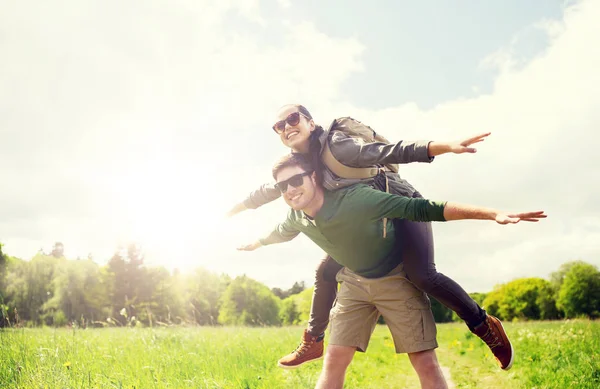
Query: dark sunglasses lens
282, 186
296, 181
293, 119
279, 126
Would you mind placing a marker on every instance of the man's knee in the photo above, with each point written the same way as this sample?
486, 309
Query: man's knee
338, 357
424, 360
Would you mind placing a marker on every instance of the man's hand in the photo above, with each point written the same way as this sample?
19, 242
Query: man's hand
250, 247
514, 218
460, 147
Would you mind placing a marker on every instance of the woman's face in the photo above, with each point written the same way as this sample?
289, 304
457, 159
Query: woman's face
295, 137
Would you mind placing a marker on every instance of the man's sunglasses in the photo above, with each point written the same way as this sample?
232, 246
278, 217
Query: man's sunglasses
293, 119
294, 181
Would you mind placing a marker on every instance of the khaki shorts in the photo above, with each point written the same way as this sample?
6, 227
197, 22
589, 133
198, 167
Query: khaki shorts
360, 301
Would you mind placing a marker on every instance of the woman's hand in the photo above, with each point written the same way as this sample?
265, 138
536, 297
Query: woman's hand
457, 147
460, 147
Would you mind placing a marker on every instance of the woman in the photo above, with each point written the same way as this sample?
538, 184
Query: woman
298, 131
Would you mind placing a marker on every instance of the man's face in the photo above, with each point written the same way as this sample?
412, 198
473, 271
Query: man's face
295, 137
301, 196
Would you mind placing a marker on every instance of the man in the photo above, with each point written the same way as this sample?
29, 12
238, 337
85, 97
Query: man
347, 225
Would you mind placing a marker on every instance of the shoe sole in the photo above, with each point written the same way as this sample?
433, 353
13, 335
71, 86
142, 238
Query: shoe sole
512, 351
298, 365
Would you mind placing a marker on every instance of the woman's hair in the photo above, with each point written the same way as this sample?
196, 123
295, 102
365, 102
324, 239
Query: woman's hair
293, 159
302, 109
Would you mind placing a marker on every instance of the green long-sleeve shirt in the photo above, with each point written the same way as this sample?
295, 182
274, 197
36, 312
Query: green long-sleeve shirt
349, 228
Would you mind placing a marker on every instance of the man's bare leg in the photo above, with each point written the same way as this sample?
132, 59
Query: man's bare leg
337, 359
428, 369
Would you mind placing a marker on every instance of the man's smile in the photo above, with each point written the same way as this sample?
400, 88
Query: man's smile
295, 197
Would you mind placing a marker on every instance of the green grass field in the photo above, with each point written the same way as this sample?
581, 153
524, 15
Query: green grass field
548, 355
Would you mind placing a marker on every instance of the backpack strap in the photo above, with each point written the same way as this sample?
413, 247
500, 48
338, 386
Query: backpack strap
387, 190
344, 171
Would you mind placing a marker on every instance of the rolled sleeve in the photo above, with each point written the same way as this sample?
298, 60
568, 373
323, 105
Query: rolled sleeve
283, 232
380, 205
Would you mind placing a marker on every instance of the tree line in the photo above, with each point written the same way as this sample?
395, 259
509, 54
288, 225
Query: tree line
51, 290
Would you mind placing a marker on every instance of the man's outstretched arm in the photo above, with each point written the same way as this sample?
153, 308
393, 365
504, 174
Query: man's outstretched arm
284, 232
375, 205
456, 211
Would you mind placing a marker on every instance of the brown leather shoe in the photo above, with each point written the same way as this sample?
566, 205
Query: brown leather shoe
493, 334
310, 349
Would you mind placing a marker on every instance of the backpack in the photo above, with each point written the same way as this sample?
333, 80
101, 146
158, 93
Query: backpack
365, 134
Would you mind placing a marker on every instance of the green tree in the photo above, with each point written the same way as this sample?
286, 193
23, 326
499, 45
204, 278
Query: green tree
298, 287
160, 298
282, 294
79, 294
288, 313
248, 302
303, 301
3, 306
524, 298
204, 292
579, 293
127, 275
557, 278
58, 251
3, 264
29, 286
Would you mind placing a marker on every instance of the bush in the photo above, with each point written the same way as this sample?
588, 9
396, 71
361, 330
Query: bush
248, 302
524, 298
59, 319
579, 293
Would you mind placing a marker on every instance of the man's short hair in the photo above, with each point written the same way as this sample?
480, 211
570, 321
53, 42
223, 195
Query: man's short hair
293, 159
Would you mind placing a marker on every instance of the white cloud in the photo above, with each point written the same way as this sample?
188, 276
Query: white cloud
284, 3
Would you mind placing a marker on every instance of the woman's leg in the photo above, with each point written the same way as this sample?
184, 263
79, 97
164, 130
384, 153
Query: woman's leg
323, 296
311, 347
417, 255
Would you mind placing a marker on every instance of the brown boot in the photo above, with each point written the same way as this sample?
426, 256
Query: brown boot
311, 349
493, 334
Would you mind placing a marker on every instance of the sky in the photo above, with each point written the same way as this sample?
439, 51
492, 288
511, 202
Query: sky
145, 121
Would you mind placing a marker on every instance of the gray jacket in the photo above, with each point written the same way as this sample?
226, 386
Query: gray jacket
351, 152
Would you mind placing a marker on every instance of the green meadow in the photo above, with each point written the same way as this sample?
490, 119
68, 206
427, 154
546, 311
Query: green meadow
548, 355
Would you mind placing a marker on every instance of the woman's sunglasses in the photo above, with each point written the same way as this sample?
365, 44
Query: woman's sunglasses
294, 181
293, 119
